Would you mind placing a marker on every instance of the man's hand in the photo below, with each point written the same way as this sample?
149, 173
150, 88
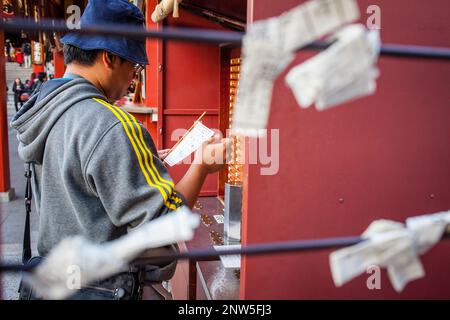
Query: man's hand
211, 157
214, 154
162, 154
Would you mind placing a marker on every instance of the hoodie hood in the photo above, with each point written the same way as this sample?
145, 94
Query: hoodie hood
36, 118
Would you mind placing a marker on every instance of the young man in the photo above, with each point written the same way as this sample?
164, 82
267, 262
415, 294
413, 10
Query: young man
26, 49
41, 78
18, 88
96, 170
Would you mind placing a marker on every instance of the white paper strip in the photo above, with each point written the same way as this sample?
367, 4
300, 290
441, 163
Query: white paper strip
191, 142
219, 218
268, 48
343, 72
314, 19
428, 229
393, 250
393, 246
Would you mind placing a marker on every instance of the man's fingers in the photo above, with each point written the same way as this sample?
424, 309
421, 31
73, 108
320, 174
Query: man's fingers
214, 139
162, 154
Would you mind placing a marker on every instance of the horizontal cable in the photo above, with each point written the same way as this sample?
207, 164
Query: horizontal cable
201, 35
210, 254
123, 30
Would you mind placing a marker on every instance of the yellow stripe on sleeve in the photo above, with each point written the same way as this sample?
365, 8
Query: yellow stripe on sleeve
170, 183
138, 154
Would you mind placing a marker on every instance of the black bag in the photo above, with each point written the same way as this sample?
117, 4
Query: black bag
123, 286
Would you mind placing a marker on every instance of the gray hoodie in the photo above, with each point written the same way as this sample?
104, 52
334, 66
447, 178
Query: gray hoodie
96, 170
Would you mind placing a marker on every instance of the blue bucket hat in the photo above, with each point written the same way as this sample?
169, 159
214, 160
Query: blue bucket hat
109, 12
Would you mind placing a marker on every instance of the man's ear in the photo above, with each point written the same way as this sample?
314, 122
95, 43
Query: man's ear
107, 59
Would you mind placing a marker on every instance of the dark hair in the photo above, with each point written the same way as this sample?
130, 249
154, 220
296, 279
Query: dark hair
42, 76
80, 56
83, 57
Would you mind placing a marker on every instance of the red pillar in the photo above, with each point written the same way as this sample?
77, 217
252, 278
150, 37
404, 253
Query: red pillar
60, 68
154, 74
5, 184
36, 68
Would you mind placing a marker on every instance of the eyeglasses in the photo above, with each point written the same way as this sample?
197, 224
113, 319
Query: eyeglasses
138, 68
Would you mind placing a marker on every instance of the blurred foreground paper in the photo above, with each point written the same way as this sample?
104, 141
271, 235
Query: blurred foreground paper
53, 276
191, 142
391, 245
345, 71
268, 48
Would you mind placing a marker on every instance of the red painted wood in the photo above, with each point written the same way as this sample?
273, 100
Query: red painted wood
60, 68
36, 68
190, 112
191, 78
384, 155
5, 183
180, 281
154, 74
235, 9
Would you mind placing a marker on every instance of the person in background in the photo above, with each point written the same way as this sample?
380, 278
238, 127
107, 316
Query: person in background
26, 50
12, 53
31, 83
50, 69
18, 88
48, 52
8, 49
42, 77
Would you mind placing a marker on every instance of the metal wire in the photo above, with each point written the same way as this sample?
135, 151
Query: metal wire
202, 36
210, 254
123, 30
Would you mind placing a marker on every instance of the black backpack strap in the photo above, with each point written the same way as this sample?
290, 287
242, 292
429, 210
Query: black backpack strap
26, 253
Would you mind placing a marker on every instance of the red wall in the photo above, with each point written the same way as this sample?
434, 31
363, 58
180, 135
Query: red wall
191, 85
153, 75
387, 156
5, 182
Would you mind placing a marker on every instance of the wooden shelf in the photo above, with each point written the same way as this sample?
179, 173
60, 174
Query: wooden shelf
139, 109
